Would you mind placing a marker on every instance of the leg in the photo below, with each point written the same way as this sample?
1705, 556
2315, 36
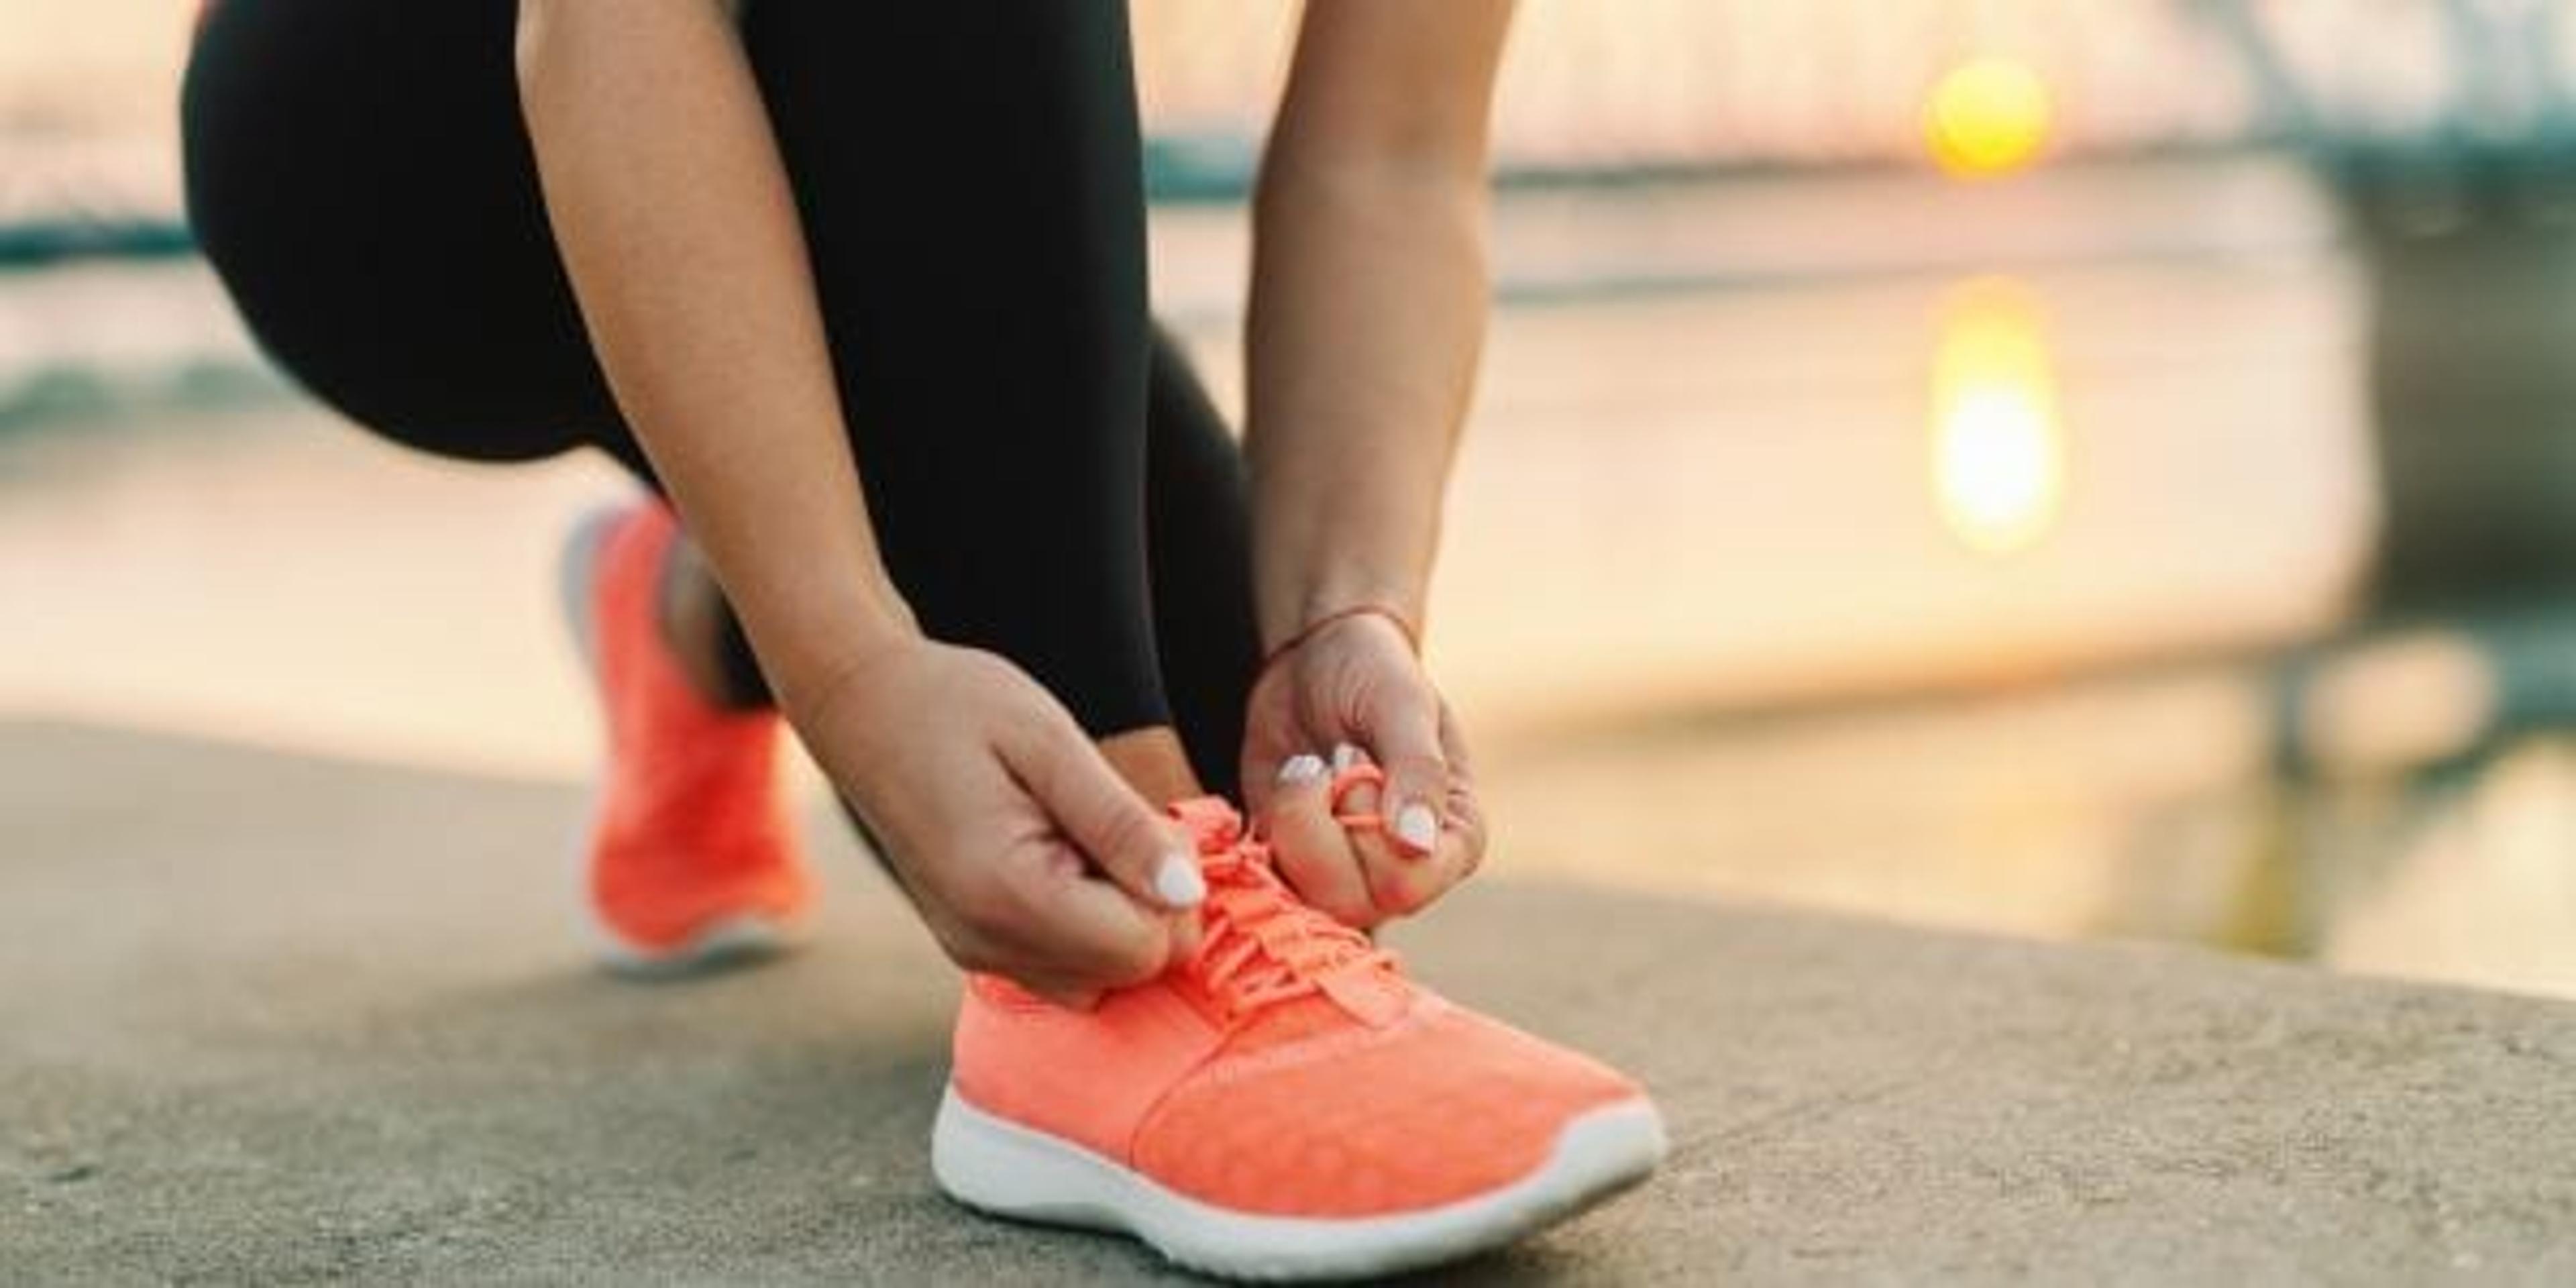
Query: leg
1199, 563
361, 180
1199, 544
358, 176
983, 288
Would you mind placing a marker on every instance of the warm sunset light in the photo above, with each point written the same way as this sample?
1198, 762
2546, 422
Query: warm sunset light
1998, 443
1987, 116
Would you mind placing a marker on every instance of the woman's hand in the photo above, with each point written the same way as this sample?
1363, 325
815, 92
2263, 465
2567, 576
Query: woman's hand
1360, 348
1355, 684
1024, 851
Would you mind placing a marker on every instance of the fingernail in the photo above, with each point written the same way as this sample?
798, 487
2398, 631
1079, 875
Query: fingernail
1302, 768
1177, 881
1416, 826
1344, 756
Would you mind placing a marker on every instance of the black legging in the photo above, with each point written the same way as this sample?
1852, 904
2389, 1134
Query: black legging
1048, 479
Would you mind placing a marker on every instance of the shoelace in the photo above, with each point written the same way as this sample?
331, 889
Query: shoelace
1264, 946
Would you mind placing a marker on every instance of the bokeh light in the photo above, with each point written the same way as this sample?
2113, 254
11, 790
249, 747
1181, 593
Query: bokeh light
1987, 116
1998, 441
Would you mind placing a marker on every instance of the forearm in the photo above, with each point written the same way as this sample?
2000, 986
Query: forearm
678, 230
1368, 302
1367, 320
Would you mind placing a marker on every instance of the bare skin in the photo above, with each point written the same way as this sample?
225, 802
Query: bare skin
1367, 318
1029, 850
692, 620
692, 623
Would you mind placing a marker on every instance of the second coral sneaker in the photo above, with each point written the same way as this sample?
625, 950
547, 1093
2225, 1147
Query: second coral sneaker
691, 859
1289, 1106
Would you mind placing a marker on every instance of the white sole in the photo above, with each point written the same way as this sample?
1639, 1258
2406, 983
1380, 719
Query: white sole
728, 941
724, 942
1008, 1170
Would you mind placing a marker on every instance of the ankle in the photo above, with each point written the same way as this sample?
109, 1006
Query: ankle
695, 624
1152, 762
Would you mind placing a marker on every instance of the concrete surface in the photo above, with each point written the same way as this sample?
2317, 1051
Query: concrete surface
275, 1019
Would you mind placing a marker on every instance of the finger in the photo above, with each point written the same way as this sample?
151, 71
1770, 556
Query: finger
1463, 834
1081, 933
1463, 819
1398, 883
1070, 961
1404, 736
1133, 844
1039, 916
1403, 887
1310, 846
1187, 935
1417, 883
1352, 786
1400, 887
1058, 990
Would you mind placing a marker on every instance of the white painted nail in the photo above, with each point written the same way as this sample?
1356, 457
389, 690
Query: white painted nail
1177, 881
1417, 826
1344, 756
1303, 767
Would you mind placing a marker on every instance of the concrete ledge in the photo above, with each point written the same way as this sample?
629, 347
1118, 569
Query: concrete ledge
270, 1018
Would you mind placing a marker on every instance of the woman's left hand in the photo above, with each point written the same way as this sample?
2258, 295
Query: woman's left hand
1354, 689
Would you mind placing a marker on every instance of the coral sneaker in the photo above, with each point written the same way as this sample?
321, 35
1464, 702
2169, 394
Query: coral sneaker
1287, 1106
692, 861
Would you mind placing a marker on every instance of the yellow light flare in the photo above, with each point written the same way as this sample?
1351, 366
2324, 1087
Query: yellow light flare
1998, 441
1987, 116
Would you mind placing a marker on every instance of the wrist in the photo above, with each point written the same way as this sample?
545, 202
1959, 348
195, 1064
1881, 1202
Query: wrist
1306, 604
815, 660
1365, 616
1314, 556
845, 695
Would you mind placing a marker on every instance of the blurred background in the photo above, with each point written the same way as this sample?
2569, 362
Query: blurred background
2077, 469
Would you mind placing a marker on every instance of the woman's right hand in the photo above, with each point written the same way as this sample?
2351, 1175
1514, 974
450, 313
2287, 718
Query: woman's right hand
1024, 851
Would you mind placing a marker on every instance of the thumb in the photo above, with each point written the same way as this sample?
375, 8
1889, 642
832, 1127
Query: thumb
1404, 736
1139, 850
